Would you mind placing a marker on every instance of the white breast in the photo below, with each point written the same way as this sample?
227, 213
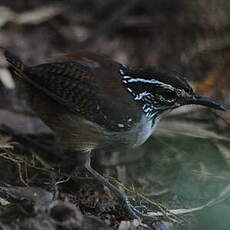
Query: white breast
134, 137
143, 130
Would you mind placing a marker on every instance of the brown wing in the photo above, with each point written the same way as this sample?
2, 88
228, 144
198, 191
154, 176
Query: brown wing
88, 87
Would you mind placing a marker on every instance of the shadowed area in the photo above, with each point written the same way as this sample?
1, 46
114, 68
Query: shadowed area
183, 169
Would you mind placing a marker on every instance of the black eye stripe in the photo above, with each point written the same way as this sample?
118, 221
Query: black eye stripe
145, 86
146, 91
166, 92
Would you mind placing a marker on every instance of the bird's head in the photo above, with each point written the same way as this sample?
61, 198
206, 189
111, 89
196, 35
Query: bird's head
158, 91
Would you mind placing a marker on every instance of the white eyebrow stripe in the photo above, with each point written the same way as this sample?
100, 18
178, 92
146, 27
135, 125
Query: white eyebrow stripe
141, 95
152, 81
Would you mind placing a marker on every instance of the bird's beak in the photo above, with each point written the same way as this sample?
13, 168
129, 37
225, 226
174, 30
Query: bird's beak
205, 101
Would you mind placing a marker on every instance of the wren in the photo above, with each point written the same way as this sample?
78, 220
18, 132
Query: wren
92, 102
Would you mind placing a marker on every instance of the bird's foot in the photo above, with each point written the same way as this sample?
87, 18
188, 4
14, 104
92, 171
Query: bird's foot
141, 207
110, 206
135, 211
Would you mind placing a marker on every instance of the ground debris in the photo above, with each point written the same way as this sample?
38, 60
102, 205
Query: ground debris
36, 195
187, 160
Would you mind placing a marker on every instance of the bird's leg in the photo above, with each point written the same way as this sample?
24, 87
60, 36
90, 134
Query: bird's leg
118, 192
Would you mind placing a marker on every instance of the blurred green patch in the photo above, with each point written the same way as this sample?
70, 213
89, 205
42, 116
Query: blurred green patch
191, 171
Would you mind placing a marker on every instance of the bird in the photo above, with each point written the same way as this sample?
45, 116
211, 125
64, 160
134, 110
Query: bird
92, 102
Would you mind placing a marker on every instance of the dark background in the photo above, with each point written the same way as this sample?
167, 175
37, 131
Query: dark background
183, 166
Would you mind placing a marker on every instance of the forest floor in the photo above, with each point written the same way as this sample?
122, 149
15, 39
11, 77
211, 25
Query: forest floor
181, 175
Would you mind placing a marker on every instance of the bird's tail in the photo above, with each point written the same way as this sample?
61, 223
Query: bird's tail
17, 67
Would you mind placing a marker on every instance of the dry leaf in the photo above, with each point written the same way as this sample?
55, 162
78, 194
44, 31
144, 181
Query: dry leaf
223, 195
35, 16
192, 129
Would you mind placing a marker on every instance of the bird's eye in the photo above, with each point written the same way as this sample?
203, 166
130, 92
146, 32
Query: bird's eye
168, 95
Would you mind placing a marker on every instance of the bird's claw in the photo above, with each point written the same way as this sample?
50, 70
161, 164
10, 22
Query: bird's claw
141, 207
137, 213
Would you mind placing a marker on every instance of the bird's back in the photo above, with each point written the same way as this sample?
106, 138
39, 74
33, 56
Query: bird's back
81, 97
